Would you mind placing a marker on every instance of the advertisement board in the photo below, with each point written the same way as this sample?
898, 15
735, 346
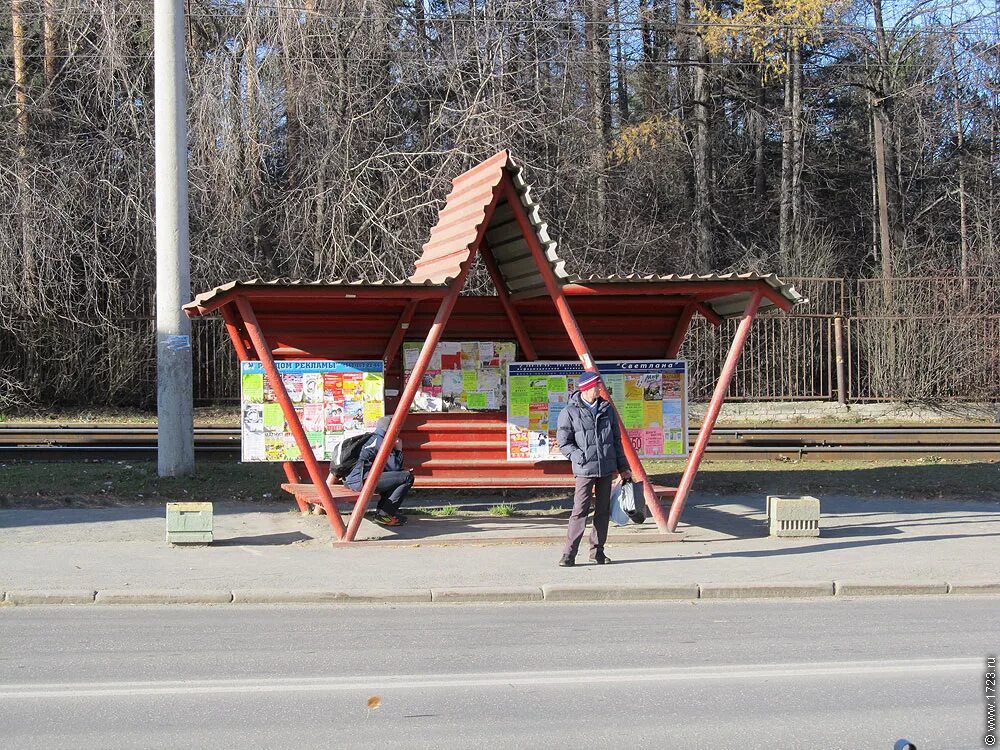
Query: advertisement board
650, 395
333, 400
462, 375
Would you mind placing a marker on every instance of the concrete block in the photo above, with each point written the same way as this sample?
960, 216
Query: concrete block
166, 596
360, 596
189, 523
488, 594
50, 597
974, 588
766, 590
847, 588
573, 592
793, 516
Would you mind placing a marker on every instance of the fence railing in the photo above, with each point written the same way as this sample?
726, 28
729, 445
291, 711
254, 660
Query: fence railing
947, 348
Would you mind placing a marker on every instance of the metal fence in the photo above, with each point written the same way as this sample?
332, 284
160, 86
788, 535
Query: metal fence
930, 340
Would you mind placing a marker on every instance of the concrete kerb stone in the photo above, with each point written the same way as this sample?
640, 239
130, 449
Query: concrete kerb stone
488, 594
974, 588
874, 588
574, 592
364, 596
164, 596
49, 597
500, 594
767, 590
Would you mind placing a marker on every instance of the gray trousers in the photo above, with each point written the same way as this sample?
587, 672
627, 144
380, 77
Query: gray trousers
598, 488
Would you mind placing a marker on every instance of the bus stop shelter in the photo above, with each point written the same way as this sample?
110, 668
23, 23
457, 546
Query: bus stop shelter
551, 314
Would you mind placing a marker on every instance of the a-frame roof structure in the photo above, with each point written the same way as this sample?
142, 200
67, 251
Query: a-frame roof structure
471, 202
490, 212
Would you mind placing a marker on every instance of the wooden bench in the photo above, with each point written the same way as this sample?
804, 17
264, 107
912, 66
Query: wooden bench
308, 494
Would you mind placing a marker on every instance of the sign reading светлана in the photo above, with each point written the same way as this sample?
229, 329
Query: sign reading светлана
650, 395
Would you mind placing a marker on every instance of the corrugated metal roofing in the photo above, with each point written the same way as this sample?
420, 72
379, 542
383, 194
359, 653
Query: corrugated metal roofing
725, 306
452, 241
206, 298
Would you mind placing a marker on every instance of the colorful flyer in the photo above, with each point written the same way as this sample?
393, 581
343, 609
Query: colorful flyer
330, 398
458, 369
649, 395
253, 388
312, 387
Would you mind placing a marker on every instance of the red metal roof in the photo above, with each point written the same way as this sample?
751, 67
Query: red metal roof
452, 243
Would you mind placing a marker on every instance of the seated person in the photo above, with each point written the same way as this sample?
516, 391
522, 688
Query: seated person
394, 483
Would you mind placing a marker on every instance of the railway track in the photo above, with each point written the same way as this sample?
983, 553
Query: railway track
47, 442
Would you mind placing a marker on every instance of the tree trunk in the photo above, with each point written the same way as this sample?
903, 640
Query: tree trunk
797, 146
701, 154
649, 57
885, 145
759, 133
29, 264
885, 254
49, 42
682, 41
20, 74
621, 75
787, 151
963, 229
596, 37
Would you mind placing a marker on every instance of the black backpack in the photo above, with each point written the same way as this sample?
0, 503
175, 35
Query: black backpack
348, 453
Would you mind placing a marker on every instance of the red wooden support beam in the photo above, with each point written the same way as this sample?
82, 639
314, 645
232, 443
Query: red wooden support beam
508, 307
235, 333
708, 314
714, 407
413, 382
680, 331
402, 325
555, 291
316, 474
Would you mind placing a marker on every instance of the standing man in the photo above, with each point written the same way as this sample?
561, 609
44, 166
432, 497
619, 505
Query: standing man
589, 436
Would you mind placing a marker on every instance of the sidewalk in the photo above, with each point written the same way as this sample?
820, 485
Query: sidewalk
272, 553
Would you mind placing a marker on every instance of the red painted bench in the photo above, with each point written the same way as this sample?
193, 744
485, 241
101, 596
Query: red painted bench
308, 494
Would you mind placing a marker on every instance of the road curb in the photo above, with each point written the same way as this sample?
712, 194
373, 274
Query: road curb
574, 592
767, 590
974, 588
40, 596
363, 596
554, 592
488, 594
878, 588
162, 596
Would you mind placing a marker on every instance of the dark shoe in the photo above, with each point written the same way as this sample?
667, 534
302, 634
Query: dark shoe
566, 562
600, 558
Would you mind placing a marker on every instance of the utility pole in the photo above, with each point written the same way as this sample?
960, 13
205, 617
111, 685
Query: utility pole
174, 400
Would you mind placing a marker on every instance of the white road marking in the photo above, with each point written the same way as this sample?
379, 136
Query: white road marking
734, 672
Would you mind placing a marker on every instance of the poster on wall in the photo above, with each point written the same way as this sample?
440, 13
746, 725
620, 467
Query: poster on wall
461, 375
333, 400
650, 395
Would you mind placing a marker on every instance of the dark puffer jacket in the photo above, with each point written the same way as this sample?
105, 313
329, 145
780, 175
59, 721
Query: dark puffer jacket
591, 438
356, 478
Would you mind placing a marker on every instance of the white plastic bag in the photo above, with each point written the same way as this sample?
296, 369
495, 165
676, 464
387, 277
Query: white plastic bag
618, 515
629, 502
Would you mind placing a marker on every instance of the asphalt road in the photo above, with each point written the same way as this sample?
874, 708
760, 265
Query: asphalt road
819, 674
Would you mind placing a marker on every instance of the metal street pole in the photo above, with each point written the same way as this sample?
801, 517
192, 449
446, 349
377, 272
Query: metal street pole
174, 399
